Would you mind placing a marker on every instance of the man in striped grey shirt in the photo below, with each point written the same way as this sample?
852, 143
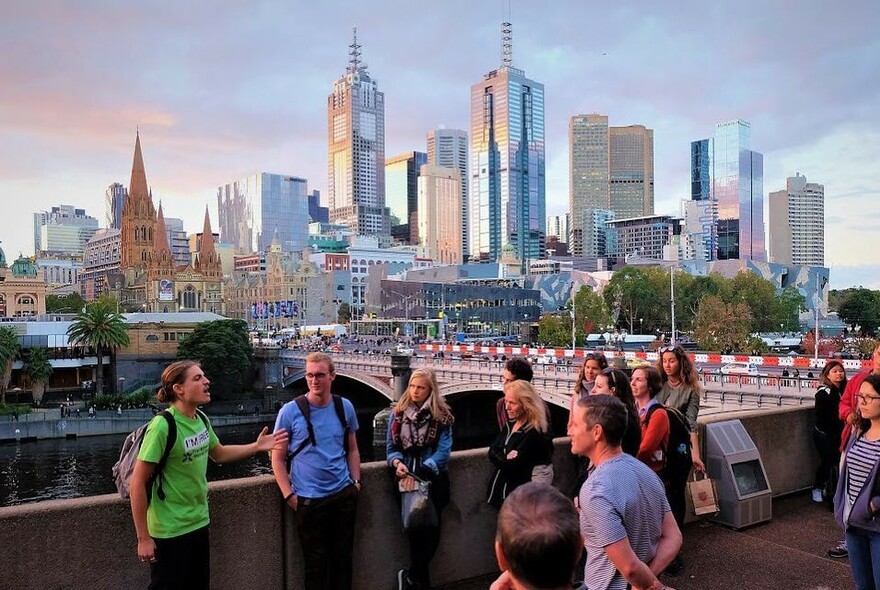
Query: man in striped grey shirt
629, 531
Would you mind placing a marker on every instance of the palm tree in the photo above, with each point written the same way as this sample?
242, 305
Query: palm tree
38, 369
9, 348
99, 326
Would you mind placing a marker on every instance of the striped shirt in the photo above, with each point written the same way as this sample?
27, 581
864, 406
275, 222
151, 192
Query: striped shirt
622, 499
860, 460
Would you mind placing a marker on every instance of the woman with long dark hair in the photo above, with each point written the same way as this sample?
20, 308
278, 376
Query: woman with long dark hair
681, 390
615, 382
419, 443
594, 363
522, 445
172, 529
828, 429
856, 500
646, 384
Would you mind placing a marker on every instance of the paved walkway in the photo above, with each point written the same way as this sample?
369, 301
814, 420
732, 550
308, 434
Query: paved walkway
787, 552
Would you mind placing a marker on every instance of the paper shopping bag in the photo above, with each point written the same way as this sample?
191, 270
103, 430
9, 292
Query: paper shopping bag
703, 494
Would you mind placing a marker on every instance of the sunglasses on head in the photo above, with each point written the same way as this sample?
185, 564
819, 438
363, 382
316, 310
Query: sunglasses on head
670, 348
609, 372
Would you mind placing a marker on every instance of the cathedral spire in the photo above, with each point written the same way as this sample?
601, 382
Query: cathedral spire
206, 247
137, 188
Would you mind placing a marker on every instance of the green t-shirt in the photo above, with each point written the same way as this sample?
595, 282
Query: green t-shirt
185, 507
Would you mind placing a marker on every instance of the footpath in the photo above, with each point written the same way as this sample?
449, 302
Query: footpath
787, 552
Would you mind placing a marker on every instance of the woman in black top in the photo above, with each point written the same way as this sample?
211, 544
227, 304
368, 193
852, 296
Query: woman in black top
615, 382
522, 445
829, 427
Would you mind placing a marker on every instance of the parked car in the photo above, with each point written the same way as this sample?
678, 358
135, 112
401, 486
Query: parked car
740, 369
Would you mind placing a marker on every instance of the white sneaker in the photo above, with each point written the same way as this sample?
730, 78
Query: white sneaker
817, 495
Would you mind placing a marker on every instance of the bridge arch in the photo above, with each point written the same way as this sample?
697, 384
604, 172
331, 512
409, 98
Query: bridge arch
293, 376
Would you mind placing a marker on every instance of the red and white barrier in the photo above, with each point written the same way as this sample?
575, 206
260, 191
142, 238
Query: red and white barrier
797, 362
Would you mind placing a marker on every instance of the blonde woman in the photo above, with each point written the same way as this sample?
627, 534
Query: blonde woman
419, 443
522, 444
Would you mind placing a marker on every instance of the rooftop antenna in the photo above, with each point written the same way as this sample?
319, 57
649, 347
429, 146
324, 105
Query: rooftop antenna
506, 38
354, 55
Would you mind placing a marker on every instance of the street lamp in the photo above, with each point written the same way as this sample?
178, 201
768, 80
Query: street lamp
121, 385
640, 324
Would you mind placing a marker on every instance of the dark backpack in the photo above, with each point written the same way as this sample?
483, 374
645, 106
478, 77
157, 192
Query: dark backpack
124, 467
302, 402
677, 458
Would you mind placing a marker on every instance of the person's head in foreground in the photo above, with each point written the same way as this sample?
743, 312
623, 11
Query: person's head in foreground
538, 540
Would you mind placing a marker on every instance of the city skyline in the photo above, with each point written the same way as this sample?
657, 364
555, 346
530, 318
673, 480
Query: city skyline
220, 94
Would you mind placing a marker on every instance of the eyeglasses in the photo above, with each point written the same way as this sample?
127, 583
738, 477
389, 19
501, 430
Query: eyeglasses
867, 399
315, 375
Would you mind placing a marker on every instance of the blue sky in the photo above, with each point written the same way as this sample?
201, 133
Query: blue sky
223, 89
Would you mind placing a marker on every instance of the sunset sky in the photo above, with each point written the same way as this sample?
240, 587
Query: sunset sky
220, 90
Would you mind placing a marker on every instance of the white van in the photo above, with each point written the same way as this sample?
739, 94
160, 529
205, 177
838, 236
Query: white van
750, 369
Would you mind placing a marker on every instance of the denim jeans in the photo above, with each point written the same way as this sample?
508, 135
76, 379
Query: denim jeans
864, 558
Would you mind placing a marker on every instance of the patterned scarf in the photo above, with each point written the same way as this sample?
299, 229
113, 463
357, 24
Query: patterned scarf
415, 427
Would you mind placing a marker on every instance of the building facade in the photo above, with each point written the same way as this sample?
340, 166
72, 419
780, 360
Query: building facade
114, 203
797, 223
599, 240
439, 208
631, 171
58, 272
726, 172
356, 160
449, 148
177, 240
101, 260
22, 288
654, 237
251, 209
557, 225
63, 231
507, 192
401, 194
317, 213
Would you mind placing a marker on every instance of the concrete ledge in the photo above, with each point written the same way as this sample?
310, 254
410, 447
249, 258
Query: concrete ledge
90, 542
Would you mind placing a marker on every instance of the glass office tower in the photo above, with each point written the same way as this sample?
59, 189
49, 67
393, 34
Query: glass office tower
725, 171
507, 194
253, 208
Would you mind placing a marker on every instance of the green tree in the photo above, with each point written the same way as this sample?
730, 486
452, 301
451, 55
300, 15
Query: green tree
70, 303
861, 306
98, 326
9, 349
591, 313
38, 369
224, 351
344, 313
722, 326
789, 304
760, 297
632, 289
690, 291
553, 330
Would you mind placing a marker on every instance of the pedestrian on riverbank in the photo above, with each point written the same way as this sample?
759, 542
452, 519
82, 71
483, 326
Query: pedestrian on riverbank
856, 501
172, 532
522, 445
419, 443
828, 429
681, 391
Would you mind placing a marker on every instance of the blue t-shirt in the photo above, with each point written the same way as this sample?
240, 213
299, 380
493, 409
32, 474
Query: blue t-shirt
319, 470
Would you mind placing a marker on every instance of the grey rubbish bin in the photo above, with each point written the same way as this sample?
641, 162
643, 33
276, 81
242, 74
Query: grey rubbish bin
734, 463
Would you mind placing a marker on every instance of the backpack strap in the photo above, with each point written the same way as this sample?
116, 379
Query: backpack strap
160, 466
340, 413
302, 402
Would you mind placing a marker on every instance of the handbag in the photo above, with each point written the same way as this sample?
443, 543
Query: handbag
416, 508
704, 494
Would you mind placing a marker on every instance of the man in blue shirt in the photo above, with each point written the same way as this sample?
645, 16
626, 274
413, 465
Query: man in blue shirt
322, 483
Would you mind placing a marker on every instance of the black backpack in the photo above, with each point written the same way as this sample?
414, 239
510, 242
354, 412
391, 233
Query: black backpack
302, 402
677, 457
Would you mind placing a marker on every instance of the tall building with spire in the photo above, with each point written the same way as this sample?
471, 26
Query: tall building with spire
149, 278
356, 139
507, 183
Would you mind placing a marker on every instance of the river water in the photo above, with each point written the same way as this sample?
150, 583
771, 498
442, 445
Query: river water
59, 468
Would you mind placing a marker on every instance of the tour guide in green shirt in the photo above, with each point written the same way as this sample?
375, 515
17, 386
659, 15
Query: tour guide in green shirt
173, 533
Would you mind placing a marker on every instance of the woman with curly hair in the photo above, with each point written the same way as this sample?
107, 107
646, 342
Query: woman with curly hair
522, 445
419, 443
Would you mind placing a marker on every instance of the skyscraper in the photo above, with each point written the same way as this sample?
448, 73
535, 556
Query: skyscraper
401, 193
63, 231
439, 221
631, 171
507, 193
356, 161
797, 223
449, 148
114, 202
726, 172
317, 213
612, 169
253, 208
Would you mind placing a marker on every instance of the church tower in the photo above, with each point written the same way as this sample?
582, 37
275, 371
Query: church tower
138, 220
208, 260
161, 261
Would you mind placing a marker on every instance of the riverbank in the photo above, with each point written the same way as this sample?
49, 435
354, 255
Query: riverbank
49, 424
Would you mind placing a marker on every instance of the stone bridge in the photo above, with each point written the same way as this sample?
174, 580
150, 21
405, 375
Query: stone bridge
555, 381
